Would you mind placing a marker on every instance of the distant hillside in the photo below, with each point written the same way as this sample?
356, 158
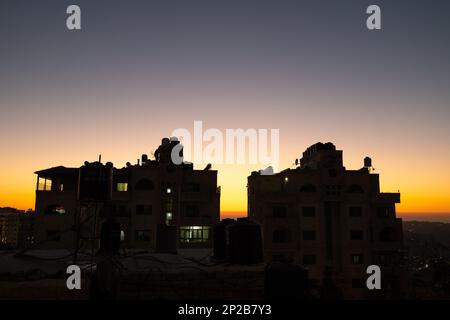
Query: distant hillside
433, 231
427, 240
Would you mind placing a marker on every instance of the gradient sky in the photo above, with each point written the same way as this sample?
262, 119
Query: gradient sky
140, 69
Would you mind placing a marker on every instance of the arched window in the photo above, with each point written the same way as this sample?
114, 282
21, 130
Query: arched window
355, 188
55, 209
144, 184
308, 188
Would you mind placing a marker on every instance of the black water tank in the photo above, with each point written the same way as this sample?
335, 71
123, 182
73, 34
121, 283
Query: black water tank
284, 281
110, 238
166, 239
95, 182
244, 242
220, 239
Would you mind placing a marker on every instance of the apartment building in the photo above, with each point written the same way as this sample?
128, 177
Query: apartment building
331, 220
138, 196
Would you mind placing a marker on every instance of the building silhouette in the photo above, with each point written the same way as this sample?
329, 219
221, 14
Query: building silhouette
331, 220
16, 228
72, 205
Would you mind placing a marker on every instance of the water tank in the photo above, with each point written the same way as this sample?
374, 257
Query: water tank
110, 238
95, 182
367, 162
220, 239
166, 239
244, 242
285, 281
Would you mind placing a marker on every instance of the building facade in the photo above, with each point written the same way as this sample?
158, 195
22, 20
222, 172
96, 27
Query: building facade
140, 197
9, 230
331, 220
16, 228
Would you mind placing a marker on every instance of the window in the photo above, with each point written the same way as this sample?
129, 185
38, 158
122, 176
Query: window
358, 283
332, 173
308, 188
44, 184
383, 212
142, 235
53, 235
356, 235
333, 190
168, 217
279, 211
357, 259
308, 211
122, 235
144, 210
309, 259
192, 211
144, 184
55, 210
387, 235
355, 211
122, 210
385, 259
194, 234
122, 187
191, 187
280, 236
355, 188
309, 235
280, 257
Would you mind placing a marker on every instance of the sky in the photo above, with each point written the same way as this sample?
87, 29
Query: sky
140, 69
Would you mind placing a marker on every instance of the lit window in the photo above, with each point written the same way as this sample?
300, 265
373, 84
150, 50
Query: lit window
44, 184
122, 187
122, 235
168, 217
55, 210
194, 234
